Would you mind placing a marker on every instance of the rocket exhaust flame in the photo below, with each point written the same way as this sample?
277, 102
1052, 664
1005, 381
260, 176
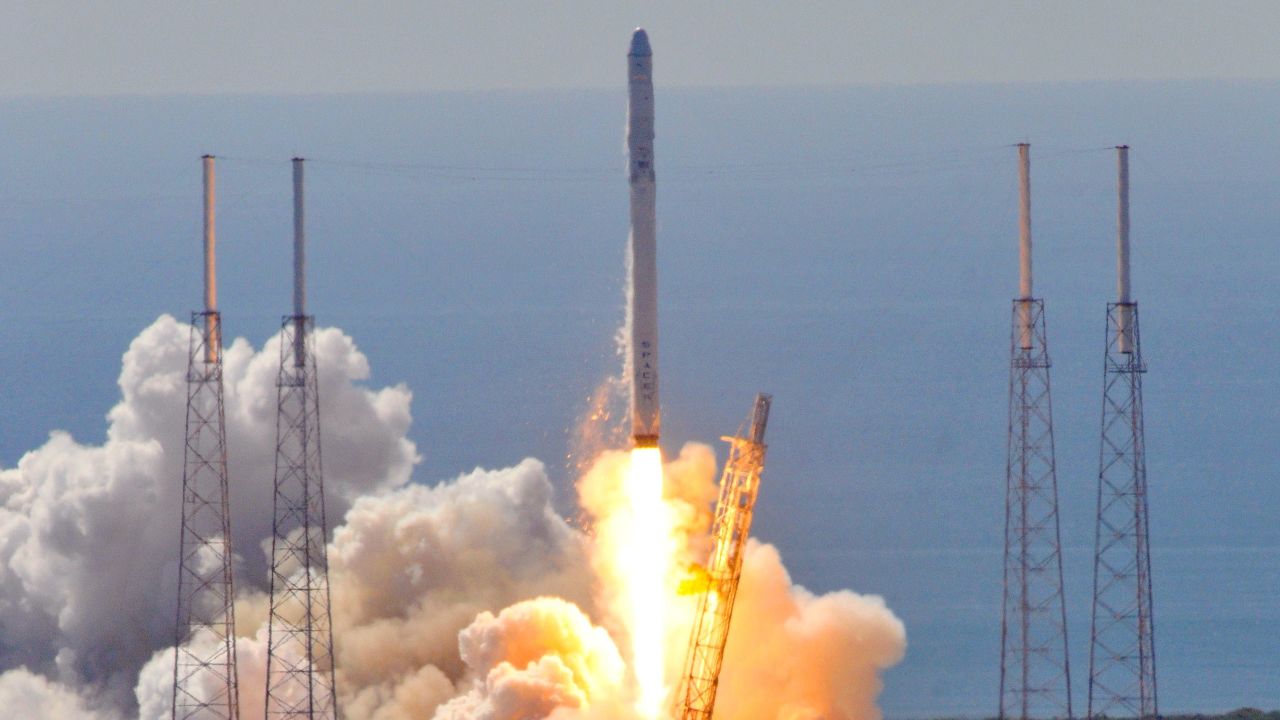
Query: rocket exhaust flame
647, 556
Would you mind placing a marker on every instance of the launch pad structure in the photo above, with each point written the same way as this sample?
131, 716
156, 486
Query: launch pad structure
205, 683
1035, 670
1122, 656
739, 486
300, 667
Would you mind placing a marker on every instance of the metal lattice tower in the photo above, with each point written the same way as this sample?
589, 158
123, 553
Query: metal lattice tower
1035, 670
1122, 656
204, 668
739, 486
300, 682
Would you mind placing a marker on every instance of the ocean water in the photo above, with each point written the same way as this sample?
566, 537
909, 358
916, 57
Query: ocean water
851, 250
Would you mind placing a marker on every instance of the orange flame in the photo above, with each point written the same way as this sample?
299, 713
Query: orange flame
646, 550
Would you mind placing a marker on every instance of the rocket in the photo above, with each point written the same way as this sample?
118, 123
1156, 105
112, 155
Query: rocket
643, 306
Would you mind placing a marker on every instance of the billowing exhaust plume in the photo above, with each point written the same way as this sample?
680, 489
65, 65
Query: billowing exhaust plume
472, 598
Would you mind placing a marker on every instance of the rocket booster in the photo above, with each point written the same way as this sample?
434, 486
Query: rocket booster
643, 306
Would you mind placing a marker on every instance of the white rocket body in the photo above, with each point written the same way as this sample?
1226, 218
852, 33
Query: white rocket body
643, 307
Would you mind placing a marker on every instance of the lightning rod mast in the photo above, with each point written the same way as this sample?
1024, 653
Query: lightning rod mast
1035, 670
1122, 654
300, 682
204, 668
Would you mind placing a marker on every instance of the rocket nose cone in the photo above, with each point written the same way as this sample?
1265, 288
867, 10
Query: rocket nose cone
640, 44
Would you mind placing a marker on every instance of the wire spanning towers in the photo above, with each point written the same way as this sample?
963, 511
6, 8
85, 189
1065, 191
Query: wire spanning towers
1035, 671
738, 488
1122, 655
300, 681
204, 668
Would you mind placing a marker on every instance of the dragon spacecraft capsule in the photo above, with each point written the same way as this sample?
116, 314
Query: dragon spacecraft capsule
645, 412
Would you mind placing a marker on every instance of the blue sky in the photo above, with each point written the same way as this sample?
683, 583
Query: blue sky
324, 46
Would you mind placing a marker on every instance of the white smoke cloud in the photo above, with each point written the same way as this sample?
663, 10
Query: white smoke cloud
88, 534
410, 568
28, 695
469, 599
793, 655
532, 659
413, 568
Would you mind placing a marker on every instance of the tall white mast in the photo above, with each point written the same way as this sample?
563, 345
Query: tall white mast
1024, 242
1125, 339
212, 340
299, 267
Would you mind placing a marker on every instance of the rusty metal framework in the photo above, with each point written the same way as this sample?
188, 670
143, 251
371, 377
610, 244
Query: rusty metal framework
300, 681
204, 668
739, 486
1122, 655
1035, 670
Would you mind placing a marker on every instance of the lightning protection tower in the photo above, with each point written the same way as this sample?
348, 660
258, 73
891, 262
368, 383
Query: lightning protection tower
738, 489
204, 667
1122, 654
1035, 672
300, 681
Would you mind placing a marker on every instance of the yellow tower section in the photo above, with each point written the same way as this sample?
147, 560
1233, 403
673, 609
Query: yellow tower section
738, 489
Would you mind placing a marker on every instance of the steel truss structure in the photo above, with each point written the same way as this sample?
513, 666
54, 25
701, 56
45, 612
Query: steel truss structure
204, 671
1122, 655
1035, 670
300, 682
739, 487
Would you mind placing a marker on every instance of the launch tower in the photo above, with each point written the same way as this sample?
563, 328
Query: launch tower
300, 680
1122, 655
204, 668
1035, 672
738, 488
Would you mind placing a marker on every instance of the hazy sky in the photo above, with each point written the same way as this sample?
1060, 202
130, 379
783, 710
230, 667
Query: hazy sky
56, 47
